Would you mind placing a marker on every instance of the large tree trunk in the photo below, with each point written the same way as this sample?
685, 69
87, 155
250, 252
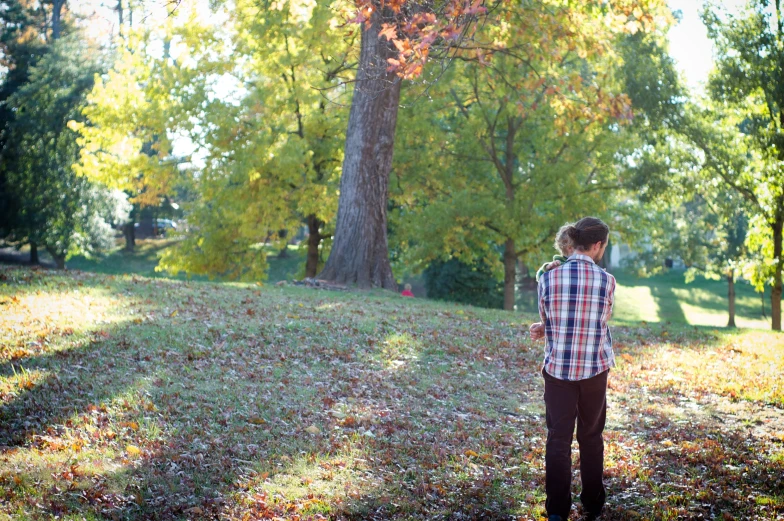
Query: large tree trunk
359, 254
775, 294
314, 239
510, 274
731, 297
34, 260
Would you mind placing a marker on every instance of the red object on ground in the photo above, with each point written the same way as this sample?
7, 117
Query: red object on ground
407, 293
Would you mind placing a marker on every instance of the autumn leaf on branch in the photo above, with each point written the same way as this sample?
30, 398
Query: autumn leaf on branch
451, 26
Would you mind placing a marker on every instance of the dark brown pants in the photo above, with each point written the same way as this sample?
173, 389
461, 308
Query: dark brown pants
567, 401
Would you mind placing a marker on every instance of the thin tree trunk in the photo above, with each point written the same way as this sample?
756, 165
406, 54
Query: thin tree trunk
775, 294
57, 10
510, 274
129, 231
731, 297
314, 239
34, 260
359, 254
119, 18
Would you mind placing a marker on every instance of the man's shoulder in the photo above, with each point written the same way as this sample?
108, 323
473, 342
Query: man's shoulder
605, 276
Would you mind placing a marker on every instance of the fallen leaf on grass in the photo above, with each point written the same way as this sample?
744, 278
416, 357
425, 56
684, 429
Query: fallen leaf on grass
133, 450
313, 430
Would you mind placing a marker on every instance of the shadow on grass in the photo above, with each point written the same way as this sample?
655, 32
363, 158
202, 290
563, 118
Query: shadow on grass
239, 401
695, 468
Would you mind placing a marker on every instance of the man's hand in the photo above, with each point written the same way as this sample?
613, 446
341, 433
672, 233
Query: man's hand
536, 330
552, 265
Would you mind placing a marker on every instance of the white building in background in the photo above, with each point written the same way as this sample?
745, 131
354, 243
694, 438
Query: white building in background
619, 252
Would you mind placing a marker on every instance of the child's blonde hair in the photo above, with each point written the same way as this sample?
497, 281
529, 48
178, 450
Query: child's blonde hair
407, 286
563, 240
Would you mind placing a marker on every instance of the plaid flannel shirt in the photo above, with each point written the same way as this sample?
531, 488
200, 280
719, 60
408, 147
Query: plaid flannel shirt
575, 303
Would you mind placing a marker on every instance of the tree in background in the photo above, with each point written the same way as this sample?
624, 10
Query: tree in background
260, 99
22, 43
747, 87
397, 39
56, 209
126, 139
530, 138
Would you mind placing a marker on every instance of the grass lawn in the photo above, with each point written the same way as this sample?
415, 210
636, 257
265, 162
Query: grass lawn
144, 258
667, 298
124, 397
664, 298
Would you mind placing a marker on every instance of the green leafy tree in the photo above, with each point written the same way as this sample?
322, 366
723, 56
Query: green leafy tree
56, 209
261, 100
397, 38
743, 136
22, 43
530, 140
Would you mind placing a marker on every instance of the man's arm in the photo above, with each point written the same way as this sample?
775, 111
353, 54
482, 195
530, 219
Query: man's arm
611, 296
537, 329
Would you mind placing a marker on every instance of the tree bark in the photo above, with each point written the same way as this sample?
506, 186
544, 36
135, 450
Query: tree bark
510, 274
57, 10
119, 18
129, 231
314, 239
359, 254
731, 297
59, 259
34, 260
775, 294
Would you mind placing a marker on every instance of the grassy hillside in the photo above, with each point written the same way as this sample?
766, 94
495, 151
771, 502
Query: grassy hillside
125, 397
663, 298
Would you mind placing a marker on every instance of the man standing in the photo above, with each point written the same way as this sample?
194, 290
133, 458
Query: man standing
575, 304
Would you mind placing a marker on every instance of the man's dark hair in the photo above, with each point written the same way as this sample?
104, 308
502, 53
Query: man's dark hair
587, 232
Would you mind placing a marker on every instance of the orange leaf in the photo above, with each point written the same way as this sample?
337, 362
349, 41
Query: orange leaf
388, 31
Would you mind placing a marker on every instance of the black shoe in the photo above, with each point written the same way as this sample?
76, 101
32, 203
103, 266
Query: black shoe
554, 517
590, 517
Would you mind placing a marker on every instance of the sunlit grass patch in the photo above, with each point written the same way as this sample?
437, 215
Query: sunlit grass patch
740, 365
397, 350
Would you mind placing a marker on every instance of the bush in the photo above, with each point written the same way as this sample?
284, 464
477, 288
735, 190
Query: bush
456, 281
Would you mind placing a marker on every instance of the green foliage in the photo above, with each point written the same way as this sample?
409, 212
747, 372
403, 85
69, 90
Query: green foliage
738, 131
262, 101
55, 208
21, 46
503, 154
456, 281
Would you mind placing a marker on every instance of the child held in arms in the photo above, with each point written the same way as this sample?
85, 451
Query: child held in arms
563, 244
